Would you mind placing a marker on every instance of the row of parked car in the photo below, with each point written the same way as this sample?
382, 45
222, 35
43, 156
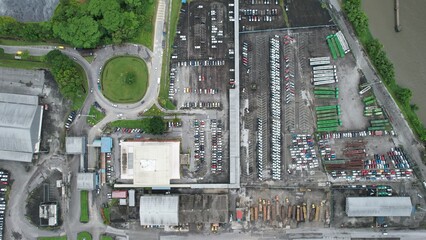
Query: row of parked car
4, 182
217, 154
128, 130
199, 140
70, 119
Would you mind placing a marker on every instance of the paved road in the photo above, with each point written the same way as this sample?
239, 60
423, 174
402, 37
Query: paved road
406, 137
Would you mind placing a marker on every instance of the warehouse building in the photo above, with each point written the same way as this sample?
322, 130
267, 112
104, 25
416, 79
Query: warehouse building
160, 210
86, 181
77, 146
378, 207
150, 163
20, 127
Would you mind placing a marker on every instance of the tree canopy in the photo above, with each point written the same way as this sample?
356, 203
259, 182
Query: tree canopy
84, 25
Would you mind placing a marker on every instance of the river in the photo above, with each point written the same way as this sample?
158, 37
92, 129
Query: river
406, 49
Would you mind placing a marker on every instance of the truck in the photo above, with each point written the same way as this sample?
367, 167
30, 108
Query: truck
312, 212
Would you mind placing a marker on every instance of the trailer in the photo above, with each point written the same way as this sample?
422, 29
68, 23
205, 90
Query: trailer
316, 59
339, 46
324, 71
328, 129
305, 212
379, 121
366, 99
298, 213
324, 75
324, 82
332, 47
319, 63
290, 211
326, 67
312, 213
319, 108
319, 79
327, 88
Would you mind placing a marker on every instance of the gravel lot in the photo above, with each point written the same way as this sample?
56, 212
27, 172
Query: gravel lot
28, 10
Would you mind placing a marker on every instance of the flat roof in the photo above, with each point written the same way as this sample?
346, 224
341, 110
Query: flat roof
20, 126
86, 181
378, 206
75, 145
150, 163
106, 144
159, 210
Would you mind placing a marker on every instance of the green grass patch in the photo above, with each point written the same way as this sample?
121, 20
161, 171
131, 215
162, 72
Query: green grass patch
27, 61
146, 35
106, 215
84, 206
285, 17
12, 42
153, 111
96, 116
53, 238
163, 98
140, 123
89, 58
106, 237
125, 79
84, 236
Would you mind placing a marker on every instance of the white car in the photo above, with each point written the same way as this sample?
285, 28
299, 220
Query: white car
119, 115
115, 105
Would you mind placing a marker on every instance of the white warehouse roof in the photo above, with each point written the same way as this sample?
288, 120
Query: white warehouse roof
378, 206
20, 126
159, 210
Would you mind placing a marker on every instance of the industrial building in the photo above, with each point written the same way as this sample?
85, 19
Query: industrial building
77, 146
20, 127
149, 163
48, 213
159, 210
86, 181
203, 208
378, 206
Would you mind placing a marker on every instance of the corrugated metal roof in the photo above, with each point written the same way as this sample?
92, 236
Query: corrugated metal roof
378, 206
106, 144
159, 210
20, 126
131, 198
119, 194
86, 181
75, 145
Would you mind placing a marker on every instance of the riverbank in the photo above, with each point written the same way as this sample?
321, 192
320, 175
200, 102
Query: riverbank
383, 65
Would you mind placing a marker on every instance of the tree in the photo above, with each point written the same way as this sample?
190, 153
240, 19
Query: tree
80, 32
130, 78
156, 126
403, 95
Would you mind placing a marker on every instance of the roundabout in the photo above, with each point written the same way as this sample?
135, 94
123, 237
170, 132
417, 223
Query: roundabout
124, 79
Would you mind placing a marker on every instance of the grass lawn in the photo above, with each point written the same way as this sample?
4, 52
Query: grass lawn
146, 34
106, 238
84, 236
116, 83
84, 207
98, 116
28, 62
89, 58
11, 42
153, 111
140, 123
52, 238
106, 215
165, 78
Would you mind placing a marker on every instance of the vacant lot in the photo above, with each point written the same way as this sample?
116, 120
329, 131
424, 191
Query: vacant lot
125, 79
84, 207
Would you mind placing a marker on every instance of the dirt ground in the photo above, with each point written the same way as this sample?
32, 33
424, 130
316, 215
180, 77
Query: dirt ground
249, 199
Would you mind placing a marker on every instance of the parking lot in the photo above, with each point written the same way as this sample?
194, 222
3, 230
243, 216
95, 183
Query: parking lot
261, 14
4, 187
296, 98
201, 75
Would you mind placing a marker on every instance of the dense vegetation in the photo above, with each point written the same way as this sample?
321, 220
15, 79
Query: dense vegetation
85, 24
67, 74
383, 65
